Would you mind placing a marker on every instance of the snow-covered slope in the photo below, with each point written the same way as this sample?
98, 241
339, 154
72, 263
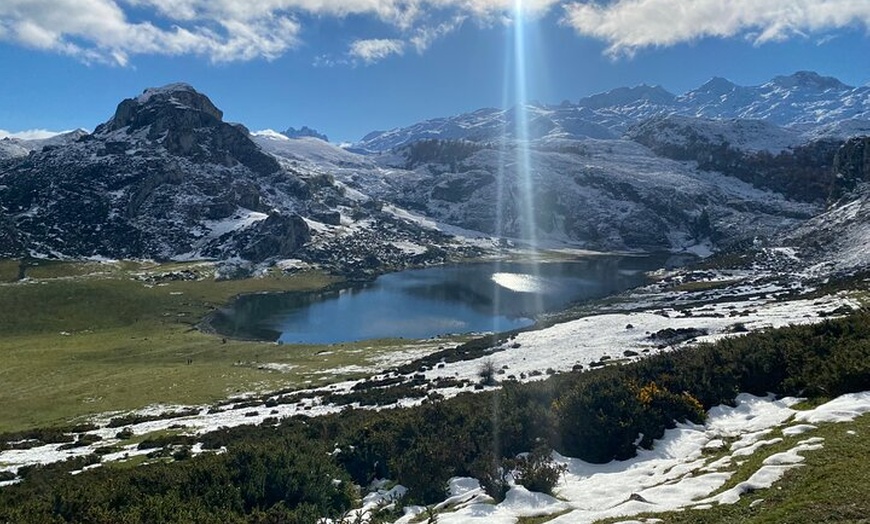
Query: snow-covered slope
598, 194
19, 147
742, 134
811, 105
486, 125
839, 239
308, 150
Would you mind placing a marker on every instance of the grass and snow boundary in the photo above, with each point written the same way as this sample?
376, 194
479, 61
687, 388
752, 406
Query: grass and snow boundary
690, 467
559, 348
530, 356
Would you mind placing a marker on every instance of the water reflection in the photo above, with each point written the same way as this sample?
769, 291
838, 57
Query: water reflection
433, 301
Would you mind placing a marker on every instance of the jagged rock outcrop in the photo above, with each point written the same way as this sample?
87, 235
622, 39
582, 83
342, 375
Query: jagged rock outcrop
305, 131
165, 177
278, 236
187, 124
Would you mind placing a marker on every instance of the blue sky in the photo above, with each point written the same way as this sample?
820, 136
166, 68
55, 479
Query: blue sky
353, 66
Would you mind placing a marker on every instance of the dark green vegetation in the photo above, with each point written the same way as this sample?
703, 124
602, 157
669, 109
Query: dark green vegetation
298, 469
805, 173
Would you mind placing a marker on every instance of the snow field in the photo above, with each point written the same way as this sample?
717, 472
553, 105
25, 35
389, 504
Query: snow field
678, 473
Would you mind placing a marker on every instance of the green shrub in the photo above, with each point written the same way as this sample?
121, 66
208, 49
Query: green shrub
290, 473
537, 471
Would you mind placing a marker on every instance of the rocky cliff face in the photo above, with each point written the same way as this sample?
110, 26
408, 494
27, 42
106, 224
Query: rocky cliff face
754, 151
163, 178
852, 165
186, 124
305, 132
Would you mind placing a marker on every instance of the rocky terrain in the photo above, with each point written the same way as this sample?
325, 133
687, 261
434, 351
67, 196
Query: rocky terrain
638, 169
167, 178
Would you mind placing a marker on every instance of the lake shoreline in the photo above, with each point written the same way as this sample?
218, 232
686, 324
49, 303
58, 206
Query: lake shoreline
597, 287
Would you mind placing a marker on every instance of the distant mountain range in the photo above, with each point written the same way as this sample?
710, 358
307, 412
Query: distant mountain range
722, 166
807, 104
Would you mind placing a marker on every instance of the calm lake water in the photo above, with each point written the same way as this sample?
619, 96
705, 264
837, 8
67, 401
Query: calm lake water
422, 303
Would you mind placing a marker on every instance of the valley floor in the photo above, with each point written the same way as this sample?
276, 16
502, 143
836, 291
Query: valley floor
738, 451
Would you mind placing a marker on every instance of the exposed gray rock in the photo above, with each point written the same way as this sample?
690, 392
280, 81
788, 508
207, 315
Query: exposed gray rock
186, 123
305, 131
154, 181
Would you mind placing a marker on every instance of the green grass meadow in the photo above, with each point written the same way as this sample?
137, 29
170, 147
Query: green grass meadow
83, 338
830, 486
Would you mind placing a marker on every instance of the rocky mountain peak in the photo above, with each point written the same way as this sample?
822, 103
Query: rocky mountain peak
304, 132
184, 122
808, 80
629, 95
174, 105
717, 85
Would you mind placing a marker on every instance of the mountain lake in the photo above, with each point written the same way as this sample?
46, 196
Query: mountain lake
422, 303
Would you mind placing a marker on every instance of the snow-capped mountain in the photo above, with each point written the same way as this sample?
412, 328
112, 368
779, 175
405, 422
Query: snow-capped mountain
19, 147
314, 152
167, 178
807, 104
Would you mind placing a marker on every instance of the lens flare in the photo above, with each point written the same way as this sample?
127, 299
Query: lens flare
525, 189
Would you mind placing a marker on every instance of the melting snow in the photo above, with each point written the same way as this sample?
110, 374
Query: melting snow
674, 475
241, 219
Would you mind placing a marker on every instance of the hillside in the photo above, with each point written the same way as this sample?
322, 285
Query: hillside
636, 169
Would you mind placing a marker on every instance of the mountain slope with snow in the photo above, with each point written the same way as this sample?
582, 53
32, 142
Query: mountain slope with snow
167, 178
21, 147
809, 105
598, 194
147, 183
631, 169
838, 240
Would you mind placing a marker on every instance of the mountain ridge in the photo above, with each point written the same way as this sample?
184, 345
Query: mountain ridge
814, 105
166, 178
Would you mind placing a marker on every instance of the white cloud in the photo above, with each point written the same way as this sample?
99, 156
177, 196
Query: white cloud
113, 31
100, 30
629, 25
375, 49
30, 134
425, 36
222, 30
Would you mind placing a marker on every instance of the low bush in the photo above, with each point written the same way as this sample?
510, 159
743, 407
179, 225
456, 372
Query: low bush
537, 471
303, 468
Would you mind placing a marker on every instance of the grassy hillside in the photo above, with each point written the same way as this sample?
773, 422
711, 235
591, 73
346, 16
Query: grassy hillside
84, 338
265, 472
831, 486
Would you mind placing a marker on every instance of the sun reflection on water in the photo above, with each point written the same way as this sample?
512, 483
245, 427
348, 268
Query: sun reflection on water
521, 282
